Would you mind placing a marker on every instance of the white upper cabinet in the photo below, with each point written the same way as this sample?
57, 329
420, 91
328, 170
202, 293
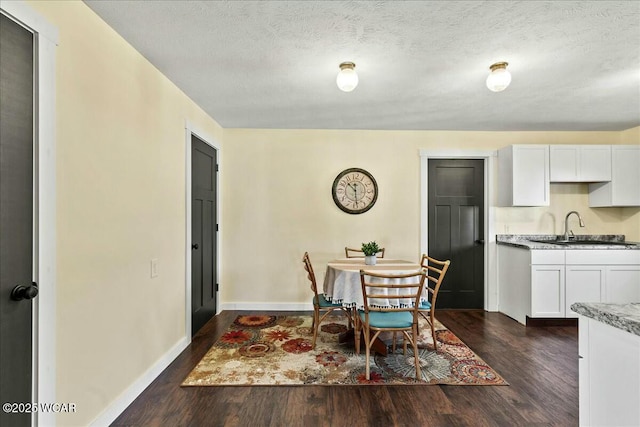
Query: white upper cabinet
624, 188
580, 163
523, 175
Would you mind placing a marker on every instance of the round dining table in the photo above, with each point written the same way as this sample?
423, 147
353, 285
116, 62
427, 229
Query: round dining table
342, 278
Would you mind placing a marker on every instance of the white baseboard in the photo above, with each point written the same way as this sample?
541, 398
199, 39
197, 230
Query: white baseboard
267, 306
129, 395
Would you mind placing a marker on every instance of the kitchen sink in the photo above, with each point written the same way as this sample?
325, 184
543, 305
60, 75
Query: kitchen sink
592, 242
583, 242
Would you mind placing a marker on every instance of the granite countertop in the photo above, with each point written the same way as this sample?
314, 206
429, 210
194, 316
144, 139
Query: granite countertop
546, 241
621, 316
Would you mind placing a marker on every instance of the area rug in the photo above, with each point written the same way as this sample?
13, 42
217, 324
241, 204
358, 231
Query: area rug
276, 350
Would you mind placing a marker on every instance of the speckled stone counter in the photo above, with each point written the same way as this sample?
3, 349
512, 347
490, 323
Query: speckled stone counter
621, 316
546, 241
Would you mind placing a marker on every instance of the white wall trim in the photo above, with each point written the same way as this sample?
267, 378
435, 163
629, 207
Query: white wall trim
125, 399
47, 237
490, 279
191, 129
31, 19
267, 306
458, 154
44, 313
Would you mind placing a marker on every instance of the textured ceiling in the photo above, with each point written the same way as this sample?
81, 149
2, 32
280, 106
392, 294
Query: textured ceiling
422, 65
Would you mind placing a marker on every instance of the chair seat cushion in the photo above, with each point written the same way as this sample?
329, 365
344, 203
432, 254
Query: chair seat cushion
400, 319
322, 302
424, 305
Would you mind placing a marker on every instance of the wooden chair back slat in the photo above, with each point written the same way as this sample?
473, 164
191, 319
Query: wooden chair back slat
310, 274
357, 253
373, 289
435, 274
436, 271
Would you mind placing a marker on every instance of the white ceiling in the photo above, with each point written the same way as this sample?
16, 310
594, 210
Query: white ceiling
422, 64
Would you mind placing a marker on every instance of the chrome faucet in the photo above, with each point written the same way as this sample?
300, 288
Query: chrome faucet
566, 224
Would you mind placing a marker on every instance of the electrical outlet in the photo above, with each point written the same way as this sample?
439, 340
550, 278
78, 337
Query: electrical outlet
154, 267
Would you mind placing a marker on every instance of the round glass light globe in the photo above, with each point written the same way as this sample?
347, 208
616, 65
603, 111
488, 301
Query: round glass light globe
498, 80
347, 79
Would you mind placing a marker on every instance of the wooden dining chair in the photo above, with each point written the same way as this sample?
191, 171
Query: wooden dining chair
320, 303
402, 291
357, 253
435, 270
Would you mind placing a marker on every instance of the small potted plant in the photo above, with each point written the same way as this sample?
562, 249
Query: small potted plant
370, 250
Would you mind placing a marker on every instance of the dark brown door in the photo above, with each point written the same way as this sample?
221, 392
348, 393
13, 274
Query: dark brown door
16, 219
203, 233
456, 229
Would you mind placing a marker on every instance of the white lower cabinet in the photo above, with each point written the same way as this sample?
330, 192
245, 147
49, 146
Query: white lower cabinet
547, 291
530, 282
623, 284
610, 276
609, 369
543, 283
584, 283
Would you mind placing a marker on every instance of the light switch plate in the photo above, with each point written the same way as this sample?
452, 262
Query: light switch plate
154, 267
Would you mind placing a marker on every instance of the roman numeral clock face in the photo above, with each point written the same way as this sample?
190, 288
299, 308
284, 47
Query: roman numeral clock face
355, 190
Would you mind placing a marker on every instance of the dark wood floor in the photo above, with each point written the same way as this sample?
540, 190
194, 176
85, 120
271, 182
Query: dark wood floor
540, 364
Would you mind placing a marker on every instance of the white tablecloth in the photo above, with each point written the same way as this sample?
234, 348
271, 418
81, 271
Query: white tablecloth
342, 280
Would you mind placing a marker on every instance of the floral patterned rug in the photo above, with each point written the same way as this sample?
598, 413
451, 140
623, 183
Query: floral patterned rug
276, 350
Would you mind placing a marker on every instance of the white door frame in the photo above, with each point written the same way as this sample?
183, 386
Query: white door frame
44, 206
190, 129
490, 279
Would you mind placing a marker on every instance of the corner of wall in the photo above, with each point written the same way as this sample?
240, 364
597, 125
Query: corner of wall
630, 136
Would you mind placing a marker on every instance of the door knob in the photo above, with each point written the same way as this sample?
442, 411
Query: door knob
480, 241
195, 246
21, 292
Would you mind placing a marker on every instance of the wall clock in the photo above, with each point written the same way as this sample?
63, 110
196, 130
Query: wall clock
354, 190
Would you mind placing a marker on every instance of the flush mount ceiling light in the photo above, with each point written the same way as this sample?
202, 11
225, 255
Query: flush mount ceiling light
499, 78
347, 79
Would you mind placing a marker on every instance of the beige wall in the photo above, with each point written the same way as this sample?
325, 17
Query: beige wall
121, 202
564, 198
120, 181
279, 201
630, 136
